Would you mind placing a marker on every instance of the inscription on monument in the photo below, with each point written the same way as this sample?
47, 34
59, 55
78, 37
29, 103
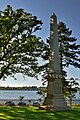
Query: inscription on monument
57, 87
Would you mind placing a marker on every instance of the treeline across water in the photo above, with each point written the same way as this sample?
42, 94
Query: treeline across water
21, 88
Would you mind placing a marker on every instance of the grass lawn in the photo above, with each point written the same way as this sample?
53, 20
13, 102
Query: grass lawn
32, 113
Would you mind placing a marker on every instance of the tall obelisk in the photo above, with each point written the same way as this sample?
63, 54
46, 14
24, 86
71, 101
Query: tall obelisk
54, 100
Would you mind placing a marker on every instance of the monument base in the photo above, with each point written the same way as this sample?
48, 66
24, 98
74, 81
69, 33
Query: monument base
53, 108
57, 103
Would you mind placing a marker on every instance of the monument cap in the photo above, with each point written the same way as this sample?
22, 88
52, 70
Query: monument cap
53, 14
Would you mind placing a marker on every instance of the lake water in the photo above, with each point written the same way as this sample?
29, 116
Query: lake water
28, 94
14, 94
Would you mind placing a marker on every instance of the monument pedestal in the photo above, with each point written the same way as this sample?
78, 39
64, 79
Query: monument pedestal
58, 104
55, 100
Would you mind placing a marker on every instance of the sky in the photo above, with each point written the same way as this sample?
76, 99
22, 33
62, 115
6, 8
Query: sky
66, 11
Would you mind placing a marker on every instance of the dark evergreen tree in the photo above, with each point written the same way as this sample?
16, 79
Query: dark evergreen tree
71, 89
69, 50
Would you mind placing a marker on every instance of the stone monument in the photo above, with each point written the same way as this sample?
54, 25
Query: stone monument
54, 100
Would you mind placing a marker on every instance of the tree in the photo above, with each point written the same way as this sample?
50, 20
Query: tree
69, 53
19, 46
69, 50
71, 89
21, 98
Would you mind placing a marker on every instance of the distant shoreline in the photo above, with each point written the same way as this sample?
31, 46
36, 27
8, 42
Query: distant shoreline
33, 88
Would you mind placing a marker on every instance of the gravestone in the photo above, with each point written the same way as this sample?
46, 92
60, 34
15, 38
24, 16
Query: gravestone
55, 100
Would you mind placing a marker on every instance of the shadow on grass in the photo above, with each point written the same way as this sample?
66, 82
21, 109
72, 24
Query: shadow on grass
73, 114
32, 113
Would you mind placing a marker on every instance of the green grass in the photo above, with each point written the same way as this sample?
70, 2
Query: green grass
33, 113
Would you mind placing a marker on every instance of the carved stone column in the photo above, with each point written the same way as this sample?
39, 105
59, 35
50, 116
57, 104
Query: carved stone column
54, 100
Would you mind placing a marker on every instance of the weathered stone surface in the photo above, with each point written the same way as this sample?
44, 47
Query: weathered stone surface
54, 100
